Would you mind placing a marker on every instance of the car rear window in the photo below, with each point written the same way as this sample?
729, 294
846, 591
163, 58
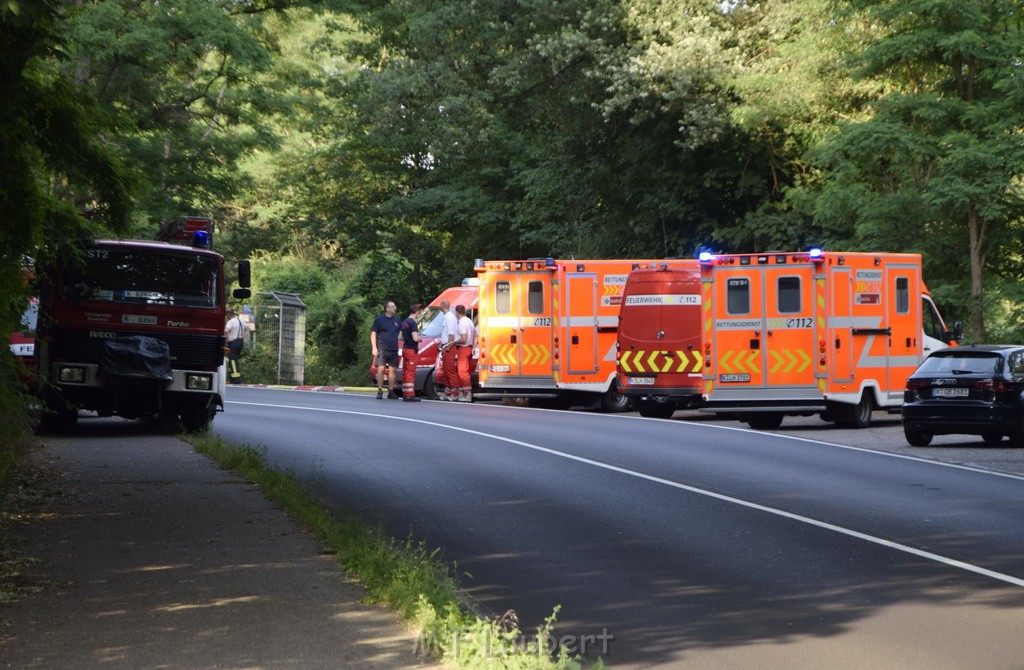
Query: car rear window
963, 363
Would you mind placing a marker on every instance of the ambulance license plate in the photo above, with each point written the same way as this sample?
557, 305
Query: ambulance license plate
733, 379
501, 368
951, 393
641, 381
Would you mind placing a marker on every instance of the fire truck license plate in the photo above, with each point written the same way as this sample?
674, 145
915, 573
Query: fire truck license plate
952, 393
727, 379
641, 381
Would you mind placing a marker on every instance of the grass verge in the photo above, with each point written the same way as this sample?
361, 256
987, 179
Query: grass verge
406, 576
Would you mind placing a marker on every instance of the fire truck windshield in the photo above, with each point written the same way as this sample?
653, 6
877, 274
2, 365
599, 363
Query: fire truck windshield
143, 276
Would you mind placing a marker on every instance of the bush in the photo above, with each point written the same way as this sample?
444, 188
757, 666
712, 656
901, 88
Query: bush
15, 419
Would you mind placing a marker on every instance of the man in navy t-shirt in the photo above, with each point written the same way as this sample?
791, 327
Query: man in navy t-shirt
384, 341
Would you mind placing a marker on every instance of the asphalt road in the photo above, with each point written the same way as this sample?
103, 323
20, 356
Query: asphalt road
682, 543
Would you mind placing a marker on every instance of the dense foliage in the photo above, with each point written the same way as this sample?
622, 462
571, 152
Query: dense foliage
364, 151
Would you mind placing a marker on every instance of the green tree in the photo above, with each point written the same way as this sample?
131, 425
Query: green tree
52, 164
937, 165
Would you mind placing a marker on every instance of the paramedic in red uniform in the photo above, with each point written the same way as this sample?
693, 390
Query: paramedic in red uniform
466, 339
449, 335
410, 353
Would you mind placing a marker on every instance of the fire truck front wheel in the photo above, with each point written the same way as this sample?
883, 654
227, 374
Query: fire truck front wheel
58, 415
196, 417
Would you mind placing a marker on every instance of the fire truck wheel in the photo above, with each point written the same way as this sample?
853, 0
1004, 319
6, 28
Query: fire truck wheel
613, 401
197, 417
992, 438
917, 438
764, 420
58, 415
657, 411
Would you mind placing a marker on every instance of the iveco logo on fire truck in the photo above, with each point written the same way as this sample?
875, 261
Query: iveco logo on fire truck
103, 334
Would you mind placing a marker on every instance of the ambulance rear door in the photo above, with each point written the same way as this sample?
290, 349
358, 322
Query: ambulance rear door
766, 326
519, 323
791, 327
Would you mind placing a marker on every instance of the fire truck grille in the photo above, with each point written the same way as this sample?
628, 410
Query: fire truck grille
188, 351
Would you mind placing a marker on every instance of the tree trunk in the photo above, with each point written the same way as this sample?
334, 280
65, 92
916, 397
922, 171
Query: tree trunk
976, 230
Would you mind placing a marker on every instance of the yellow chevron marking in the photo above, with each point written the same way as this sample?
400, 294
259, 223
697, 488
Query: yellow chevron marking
651, 364
724, 362
807, 360
684, 362
624, 361
698, 361
776, 361
638, 361
752, 362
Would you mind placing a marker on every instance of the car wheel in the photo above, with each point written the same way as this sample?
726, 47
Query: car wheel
917, 438
765, 421
992, 438
430, 387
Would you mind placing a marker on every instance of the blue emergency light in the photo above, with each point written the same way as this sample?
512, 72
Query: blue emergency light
704, 257
815, 252
201, 239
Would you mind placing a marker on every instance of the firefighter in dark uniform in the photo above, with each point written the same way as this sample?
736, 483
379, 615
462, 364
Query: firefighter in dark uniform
410, 352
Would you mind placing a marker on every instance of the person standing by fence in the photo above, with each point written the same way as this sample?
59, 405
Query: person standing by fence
410, 352
235, 331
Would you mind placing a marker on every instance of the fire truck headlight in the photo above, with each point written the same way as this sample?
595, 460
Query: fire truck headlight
71, 375
198, 382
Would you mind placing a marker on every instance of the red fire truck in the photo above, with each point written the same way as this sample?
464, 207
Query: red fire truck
135, 329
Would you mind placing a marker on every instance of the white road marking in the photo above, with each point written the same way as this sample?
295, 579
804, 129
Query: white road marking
1009, 579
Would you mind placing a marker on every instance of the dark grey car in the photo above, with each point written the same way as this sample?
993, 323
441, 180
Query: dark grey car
970, 390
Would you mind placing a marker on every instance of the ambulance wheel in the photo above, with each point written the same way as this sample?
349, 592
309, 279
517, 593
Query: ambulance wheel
764, 420
860, 414
613, 401
917, 438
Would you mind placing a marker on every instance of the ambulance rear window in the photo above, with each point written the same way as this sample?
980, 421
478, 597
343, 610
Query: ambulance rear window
535, 302
737, 295
502, 297
789, 295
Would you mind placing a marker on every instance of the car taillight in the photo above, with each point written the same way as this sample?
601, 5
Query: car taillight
995, 385
915, 384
